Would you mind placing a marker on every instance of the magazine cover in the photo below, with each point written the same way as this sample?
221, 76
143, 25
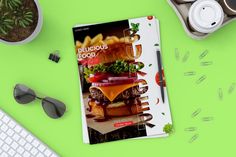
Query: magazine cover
119, 80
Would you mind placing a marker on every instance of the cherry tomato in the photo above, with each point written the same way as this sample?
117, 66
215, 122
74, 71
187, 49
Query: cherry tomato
158, 79
150, 17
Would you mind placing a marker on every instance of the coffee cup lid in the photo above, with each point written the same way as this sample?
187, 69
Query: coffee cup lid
206, 16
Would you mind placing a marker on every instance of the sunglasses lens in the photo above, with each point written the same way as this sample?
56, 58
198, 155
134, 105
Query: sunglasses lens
54, 108
23, 94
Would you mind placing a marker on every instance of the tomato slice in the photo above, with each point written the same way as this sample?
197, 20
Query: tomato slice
99, 77
158, 78
141, 73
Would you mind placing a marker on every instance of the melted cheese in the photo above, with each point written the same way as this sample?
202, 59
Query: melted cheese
111, 92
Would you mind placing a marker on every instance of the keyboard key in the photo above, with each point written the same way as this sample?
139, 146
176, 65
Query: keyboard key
20, 150
16, 137
40, 155
11, 152
4, 154
14, 145
29, 138
23, 133
1, 143
5, 147
22, 142
47, 152
12, 124
17, 155
10, 132
4, 128
35, 143
8, 140
26, 154
34, 151
3, 136
28, 146
41, 148
5, 119
17, 129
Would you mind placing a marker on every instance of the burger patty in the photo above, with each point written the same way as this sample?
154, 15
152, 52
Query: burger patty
127, 94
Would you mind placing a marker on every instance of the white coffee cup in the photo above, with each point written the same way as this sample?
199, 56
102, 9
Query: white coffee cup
229, 7
184, 1
206, 16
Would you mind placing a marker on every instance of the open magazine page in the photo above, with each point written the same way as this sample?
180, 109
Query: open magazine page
118, 69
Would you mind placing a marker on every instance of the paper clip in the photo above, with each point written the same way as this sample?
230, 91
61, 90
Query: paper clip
195, 113
203, 54
190, 129
176, 54
207, 119
220, 93
206, 63
193, 138
190, 73
201, 79
186, 56
231, 88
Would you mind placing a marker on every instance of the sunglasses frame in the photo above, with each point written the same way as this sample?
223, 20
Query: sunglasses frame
58, 106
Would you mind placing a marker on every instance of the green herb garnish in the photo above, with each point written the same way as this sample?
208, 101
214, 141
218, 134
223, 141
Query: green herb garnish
120, 66
135, 27
168, 128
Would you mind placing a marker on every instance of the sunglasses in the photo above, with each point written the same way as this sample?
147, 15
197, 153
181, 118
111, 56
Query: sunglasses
52, 107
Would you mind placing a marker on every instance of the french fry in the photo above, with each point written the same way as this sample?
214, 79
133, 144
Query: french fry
96, 39
125, 40
87, 41
114, 38
78, 44
109, 41
135, 38
99, 43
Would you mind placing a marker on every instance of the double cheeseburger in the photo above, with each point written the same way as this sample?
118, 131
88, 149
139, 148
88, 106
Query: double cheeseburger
115, 89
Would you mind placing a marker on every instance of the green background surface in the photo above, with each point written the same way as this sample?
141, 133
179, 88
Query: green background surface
28, 64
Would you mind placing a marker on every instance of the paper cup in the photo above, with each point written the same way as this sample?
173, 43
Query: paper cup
34, 34
206, 16
184, 1
229, 7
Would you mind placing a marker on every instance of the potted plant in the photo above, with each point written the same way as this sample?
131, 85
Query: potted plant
20, 21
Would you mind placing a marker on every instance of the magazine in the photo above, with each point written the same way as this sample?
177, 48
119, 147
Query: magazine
119, 80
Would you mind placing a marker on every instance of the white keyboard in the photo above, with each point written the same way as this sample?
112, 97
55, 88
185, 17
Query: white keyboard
15, 141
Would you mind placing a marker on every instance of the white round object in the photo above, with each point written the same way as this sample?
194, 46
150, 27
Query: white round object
36, 31
206, 16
